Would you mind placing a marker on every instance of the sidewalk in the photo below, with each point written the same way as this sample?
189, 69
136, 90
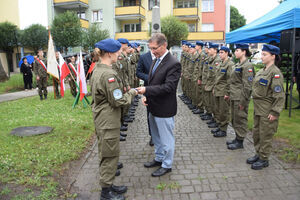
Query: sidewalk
203, 167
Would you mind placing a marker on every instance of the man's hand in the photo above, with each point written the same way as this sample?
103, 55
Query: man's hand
199, 82
144, 100
37, 78
272, 117
241, 107
226, 97
141, 90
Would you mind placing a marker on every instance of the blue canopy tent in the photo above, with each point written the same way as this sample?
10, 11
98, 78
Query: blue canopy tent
268, 27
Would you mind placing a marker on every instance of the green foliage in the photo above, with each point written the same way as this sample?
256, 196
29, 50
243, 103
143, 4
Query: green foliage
66, 30
93, 35
236, 19
8, 35
161, 186
34, 37
31, 161
174, 29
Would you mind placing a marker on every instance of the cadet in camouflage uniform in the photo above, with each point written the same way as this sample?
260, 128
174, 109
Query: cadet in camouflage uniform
56, 81
190, 71
40, 70
72, 78
197, 78
182, 61
268, 99
220, 89
241, 79
107, 101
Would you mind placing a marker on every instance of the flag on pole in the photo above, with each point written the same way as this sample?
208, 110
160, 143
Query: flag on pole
81, 77
73, 69
91, 67
51, 59
64, 71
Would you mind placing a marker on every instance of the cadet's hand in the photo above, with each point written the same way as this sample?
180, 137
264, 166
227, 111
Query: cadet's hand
144, 100
241, 107
272, 117
226, 97
199, 82
125, 89
128, 88
37, 78
141, 90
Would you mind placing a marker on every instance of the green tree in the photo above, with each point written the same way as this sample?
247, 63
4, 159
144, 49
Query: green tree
34, 37
174, 29
236, 19
93, 35
66, 30
8, 40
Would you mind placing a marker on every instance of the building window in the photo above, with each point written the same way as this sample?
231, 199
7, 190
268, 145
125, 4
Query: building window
81, 15
152, 3
192, 27
208, 27
186, 4
207, 5
98, 16
132, 27
130, 3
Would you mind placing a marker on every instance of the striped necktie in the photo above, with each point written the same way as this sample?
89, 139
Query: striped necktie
155, 66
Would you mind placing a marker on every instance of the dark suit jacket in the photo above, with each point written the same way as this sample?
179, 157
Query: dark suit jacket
143, 67
161, 91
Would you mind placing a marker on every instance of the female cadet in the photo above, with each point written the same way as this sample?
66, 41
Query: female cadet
240, 92
268, 98
221, 88
108, 99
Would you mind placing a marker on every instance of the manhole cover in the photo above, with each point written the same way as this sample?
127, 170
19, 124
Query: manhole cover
31, 130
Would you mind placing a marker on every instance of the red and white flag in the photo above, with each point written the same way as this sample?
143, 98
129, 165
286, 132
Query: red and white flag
73, 69
51, 60
64, 71
81, 77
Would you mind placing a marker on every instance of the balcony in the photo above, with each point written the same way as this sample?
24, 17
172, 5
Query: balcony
206, 35
186, 13
130, 12
71, 4
144, 35
84, 23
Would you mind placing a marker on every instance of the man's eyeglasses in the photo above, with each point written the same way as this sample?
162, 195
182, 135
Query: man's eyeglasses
154, 48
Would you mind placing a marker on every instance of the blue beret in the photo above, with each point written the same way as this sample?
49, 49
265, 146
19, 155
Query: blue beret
188, 44
123, 41
137, 44
130, 44
272, 49
241, 46
108, 45
183, 42
213, 45
224, 48
200, 43
192, 46
207, 44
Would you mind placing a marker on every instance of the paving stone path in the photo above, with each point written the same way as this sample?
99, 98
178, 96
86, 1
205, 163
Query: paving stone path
203, 167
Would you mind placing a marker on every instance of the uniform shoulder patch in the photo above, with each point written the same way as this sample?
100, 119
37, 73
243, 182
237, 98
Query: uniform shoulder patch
111, 80
117, 93
250, 78
277, 76
250, 70
216, 63
277, 88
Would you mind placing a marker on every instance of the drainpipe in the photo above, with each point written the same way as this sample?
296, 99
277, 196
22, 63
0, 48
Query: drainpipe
114, 19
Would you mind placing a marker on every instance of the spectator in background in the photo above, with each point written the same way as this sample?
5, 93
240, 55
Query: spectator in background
26, 69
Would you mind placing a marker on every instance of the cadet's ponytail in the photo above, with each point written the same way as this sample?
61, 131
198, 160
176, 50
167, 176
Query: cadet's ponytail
248, 53
96, 54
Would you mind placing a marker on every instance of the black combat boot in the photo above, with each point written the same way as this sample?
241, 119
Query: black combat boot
123, 128
120, 165
215, 130
109, 194
231, 141
253, 159
237, 145
118, 172
220, 134
119, 189
213, 125
41, 97
260, 164
123, 134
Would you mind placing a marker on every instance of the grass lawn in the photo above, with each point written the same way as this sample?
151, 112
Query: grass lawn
32, 161
288, 131
16, 83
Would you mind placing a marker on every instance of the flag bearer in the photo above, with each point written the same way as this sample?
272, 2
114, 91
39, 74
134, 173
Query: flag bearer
40, 70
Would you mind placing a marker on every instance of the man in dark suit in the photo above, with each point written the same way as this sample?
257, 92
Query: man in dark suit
142, 72
160, 97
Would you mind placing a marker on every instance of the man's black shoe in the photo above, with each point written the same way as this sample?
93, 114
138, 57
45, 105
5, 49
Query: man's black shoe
122, 138
118, 173
260, 164
120, 165
220, 134
161, 171
123, 128
45, 96
153, 163
237, 145
253, 159
41, 97
119, 189
151, 142
215, 130
213, 125
108, 194
231, 142
123, 134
